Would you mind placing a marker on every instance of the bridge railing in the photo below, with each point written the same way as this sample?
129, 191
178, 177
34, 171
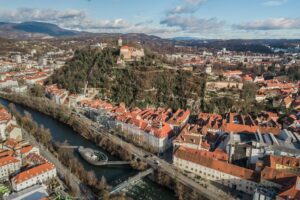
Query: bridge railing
131, 180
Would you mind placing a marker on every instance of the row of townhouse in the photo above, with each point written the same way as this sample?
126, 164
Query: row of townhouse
12, 157
264, 181
155, 128
23, 163
214, 146
38, 174
283, 93
18, 159
9, 165
30, 76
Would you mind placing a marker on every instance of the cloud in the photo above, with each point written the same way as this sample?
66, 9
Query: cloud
32, 14
93, 25
274, 2
179, 17
271, 24
79, 20
193, 24
195, 2
70, 18
189, 6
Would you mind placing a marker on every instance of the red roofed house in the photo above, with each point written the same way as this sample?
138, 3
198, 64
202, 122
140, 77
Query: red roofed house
59, 96
204, 164
286, 163
26, 150
39, 77
290, 192
179, 119
152, 127
234, 73
191, 137
9, 165
32, 176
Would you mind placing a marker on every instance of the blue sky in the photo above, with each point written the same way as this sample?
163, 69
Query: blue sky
222, 19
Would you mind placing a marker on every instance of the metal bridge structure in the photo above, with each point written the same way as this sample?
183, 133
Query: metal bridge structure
131, 181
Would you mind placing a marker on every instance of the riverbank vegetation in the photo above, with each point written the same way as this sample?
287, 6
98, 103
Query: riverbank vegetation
41, 134
182, 192
65, 156
79, 125
64, 115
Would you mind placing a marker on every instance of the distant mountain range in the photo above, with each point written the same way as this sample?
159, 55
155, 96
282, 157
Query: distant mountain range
33, 30
184, 38
41, 30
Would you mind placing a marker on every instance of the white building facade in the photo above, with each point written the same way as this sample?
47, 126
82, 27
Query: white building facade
33, 176
229, 180
8, 165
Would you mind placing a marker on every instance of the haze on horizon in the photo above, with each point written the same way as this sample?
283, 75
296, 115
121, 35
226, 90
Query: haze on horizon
211, 19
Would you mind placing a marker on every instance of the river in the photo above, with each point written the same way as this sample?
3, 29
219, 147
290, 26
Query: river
146, 189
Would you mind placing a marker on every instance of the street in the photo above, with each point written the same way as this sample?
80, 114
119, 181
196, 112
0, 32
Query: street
61, 169
156, 162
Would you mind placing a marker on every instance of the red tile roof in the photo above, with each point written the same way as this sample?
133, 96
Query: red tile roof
35, 171
204, 158
233, 73
12, 143
7, 160
276, 176
6, 152
26, 149
292, 192
283, 160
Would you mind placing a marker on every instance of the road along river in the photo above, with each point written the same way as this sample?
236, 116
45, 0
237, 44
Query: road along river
145, 190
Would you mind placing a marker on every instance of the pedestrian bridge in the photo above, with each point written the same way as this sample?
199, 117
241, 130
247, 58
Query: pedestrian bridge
131, 181
69, 147
114, 163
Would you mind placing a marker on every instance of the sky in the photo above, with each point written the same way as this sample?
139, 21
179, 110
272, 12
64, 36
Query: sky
207, 19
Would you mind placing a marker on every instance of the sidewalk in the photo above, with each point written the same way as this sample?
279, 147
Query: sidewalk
61, 169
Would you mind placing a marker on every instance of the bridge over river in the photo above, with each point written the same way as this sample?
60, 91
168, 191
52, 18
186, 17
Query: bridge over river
131, 181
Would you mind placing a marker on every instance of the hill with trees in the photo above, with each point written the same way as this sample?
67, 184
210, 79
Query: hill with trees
140, 83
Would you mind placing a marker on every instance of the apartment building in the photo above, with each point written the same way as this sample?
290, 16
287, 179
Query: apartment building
9, 165
208, 166
38, 174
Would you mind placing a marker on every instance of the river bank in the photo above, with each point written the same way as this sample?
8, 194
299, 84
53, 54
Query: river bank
64, 133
